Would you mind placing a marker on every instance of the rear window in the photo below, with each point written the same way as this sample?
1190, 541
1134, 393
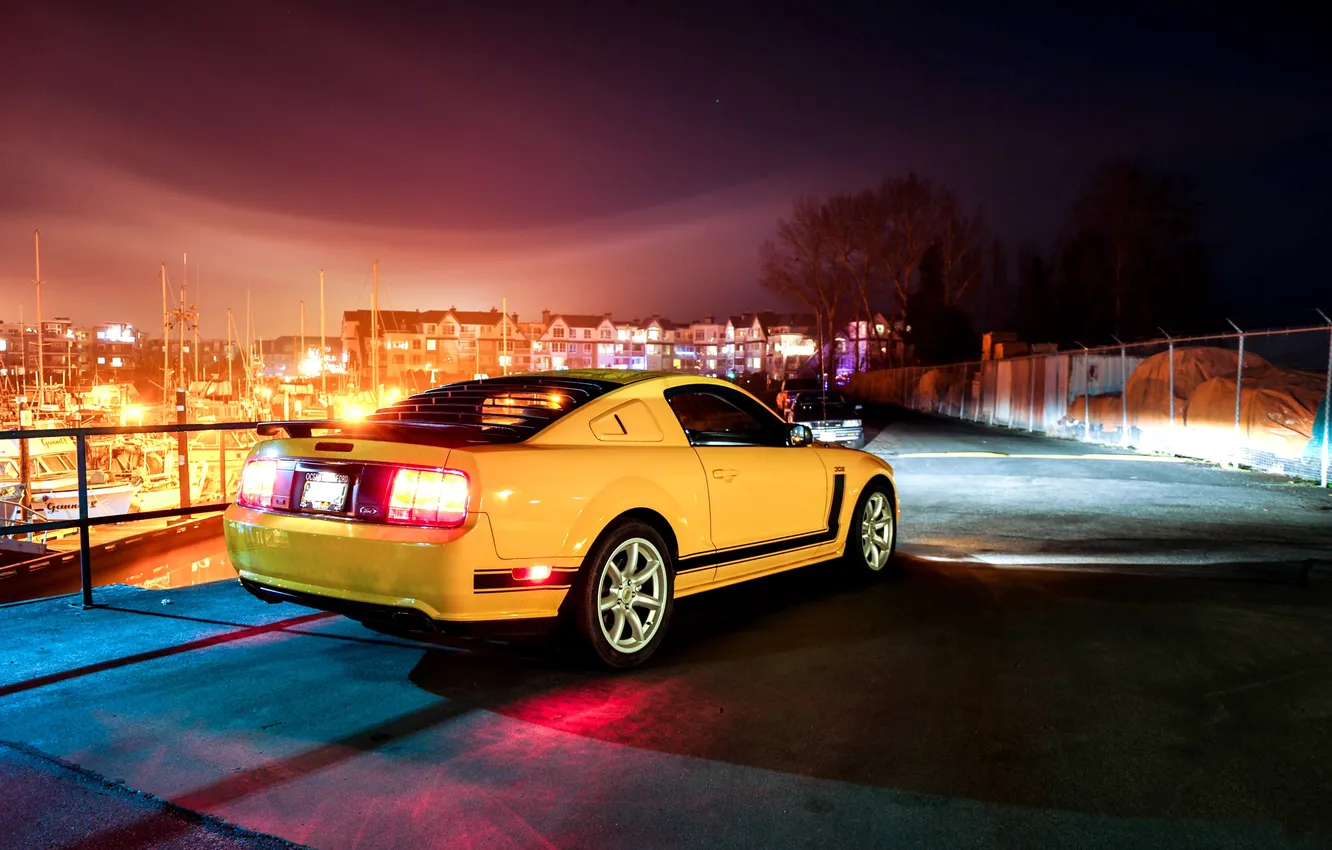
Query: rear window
495, 410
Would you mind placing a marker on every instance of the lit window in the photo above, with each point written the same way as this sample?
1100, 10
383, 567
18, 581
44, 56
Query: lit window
430, 344
101, 361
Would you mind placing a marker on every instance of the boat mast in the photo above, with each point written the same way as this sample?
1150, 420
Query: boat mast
504, 333
323, 377
166, 348
196, 324
231, 387
374, 336
180, 352
41, 331
301, 359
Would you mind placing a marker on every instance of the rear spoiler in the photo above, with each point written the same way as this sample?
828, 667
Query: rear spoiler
300, 428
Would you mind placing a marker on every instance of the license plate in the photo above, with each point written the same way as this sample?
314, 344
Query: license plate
324, 491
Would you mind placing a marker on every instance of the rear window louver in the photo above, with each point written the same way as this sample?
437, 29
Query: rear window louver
504, 409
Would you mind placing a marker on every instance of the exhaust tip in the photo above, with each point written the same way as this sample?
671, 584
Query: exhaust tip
413, 621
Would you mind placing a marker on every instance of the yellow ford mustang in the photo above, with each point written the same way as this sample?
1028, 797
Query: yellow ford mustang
590, 498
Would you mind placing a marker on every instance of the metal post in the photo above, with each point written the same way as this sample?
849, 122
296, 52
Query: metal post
222, 464
85, 545
1239, 385
25, 460
1327, 397
980, 395
1123, 393
1011, 370
182, 450
994, 401
1327, 404
966, 391
1031, 394
1172, 385
1086, 395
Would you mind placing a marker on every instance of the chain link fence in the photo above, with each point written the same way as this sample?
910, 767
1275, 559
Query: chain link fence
1258, 399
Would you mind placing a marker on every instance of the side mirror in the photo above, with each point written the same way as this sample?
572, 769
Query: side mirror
799, 435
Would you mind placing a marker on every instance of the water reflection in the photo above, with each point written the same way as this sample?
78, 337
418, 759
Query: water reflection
197, 563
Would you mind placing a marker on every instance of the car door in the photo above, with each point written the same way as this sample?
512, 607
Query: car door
760, 490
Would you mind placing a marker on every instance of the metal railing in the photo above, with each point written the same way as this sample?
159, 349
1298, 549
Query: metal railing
1254, 398
84, 523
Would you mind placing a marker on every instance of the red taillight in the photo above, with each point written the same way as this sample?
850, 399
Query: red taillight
428, 497
256, 484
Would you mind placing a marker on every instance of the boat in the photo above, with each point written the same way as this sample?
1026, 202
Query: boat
54, 480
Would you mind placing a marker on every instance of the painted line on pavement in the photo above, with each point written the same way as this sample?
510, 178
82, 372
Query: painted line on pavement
1026, 456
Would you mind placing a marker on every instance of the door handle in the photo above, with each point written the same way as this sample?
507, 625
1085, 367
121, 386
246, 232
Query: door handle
727, 474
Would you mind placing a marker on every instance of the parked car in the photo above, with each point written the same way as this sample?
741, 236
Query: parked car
831, 416
790, 387
584, 501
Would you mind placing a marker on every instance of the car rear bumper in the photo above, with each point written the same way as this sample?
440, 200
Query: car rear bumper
402, 618
446, 575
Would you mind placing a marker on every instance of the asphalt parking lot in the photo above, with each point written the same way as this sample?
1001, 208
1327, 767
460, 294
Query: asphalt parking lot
1079, 652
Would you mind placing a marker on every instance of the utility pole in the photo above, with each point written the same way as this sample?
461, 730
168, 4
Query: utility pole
300, 361
323, 377
374, 335
41, 331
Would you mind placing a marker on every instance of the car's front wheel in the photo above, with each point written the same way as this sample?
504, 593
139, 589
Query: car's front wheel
626, 594
871, 541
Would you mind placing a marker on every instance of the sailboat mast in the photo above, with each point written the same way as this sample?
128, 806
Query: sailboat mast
504, 333
166, 347
195, 310
41, 331
231, 353
300, 361
180, 351
323, 376
374, 335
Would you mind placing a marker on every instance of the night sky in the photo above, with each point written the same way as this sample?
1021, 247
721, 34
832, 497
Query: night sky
611, 158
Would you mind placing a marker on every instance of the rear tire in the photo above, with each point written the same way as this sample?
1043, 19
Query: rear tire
624, 595
871, 539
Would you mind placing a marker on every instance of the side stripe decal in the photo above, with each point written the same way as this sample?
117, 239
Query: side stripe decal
482, 582
706, 560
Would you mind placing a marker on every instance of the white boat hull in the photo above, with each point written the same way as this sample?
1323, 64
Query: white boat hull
108, 500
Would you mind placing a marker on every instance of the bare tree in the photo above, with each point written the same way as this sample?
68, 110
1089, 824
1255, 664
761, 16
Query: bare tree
909, 212
856, 229
959, 237
802, 264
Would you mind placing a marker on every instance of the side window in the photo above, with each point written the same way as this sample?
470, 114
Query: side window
720, 418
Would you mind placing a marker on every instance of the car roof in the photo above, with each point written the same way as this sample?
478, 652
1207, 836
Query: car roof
609, 376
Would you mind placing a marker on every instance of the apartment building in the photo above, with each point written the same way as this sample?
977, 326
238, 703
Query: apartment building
575, 341
427, 348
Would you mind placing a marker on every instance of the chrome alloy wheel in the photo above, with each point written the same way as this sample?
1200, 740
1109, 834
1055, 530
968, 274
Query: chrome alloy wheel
876, 530
631, 590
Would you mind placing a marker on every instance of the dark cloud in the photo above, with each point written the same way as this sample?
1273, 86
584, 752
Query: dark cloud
601, 156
